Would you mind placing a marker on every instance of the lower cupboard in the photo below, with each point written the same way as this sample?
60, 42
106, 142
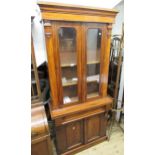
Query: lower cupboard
79, 134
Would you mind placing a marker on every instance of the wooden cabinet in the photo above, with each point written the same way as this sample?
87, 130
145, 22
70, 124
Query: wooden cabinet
42, 146
40, 136
78, 46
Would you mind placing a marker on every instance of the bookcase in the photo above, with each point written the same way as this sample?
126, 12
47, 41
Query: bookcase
78, 47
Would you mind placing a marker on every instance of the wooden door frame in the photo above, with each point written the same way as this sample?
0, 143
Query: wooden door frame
85, 27
55, 26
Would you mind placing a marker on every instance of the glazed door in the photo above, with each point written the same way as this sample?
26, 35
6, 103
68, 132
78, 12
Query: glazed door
69, 61
80, 53
94, 53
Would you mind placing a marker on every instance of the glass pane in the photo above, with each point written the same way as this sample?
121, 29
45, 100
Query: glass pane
68, 61
93, 62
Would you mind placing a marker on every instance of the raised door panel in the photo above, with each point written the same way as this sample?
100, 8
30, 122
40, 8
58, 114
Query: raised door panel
92, 126
69, 136
95, 127
74, 132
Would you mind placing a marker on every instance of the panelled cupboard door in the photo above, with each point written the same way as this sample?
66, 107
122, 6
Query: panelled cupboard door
68, 50
69, 136
95, 127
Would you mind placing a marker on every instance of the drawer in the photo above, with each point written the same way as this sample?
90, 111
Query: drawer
39, 125
79, 116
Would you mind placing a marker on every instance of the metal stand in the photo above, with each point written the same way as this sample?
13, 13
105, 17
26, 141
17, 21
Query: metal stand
116, 58
113, 121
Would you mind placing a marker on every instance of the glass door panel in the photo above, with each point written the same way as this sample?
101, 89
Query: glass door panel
93, 61
68, 62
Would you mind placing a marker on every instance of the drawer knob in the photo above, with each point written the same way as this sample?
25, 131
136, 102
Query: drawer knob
73, 127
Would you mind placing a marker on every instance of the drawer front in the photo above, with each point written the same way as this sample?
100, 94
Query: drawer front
78, 116
95, 127
69, 136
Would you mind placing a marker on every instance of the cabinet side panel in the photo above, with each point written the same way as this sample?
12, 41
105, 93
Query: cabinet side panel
41, 148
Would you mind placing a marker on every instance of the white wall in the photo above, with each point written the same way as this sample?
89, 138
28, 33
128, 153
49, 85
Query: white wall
117, 27
38, 38
94, 3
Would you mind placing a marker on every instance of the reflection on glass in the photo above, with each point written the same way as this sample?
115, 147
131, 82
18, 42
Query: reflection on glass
93, 62
68, 61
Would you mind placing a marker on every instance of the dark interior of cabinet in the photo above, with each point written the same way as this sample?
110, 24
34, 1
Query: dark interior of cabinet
35, 87
68, 63
40, 90
69, 72
93, 61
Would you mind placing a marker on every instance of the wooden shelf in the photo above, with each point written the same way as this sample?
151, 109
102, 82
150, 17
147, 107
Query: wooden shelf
74, 65
69, 65
68, 59
93, 78
93, 62
95, 94
33, 81
72, 99
72, 82
69, 83
35, 97
92, 81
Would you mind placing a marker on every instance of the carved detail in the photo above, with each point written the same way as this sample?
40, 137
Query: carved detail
109, 28
48, 34
47, 23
